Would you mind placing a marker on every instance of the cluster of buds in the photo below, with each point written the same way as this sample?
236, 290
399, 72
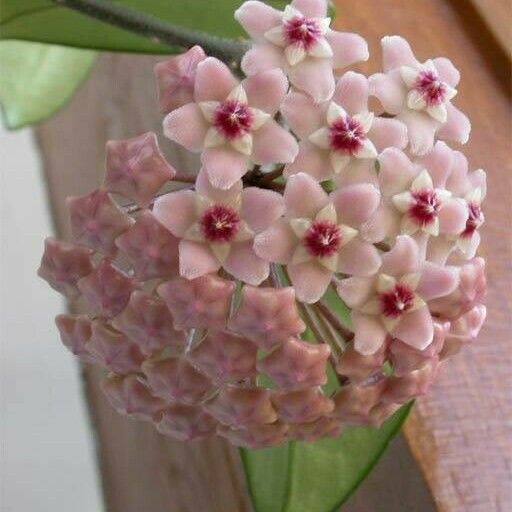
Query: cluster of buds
215, 306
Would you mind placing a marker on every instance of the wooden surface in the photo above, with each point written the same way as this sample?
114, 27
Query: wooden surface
460, 434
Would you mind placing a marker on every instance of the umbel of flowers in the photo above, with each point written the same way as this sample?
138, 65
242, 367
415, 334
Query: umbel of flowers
215, 307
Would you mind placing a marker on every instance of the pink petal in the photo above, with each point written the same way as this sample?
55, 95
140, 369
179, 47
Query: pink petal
355, 291
458, 180
447, 71
397, 52
385, 222
402, 259
457, 127
217, 195
369, 333
310, 280
438, 249
214, 80
261, 207
348, 48
390, 91
266, 90
396, 172
359, 170
416, 329
311, 160
303, 196
277, 243
421, 129
355, 203
438, 161
244, 264
262, 57
352, 92
387, 133
453, 216
359, 258
273, 144
478, 179
257, 18
196, 260
311, 8
302, 114
186, 126
224, 166
176, 211
313, 76
437, 281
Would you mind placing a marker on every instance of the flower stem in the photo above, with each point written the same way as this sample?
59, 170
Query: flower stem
332, 318
147, 25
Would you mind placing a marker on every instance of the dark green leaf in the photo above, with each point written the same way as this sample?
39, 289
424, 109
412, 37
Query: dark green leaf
38, 79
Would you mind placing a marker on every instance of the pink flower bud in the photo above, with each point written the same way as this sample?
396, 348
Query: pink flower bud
255, 436
186, 422
75, 332
318, 429
303, 406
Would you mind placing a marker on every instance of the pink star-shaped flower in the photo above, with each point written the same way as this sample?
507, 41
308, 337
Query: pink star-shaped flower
175, 379
232, 123
176, 78
63, 264
136, 168
340, 138
107, 290
217, 228
267, 316
151, 248
203, 302
302, 406
186, 422
394, 301
96, 221
255, 436
147, 321
225, 357
241, 407
320, 236
299, 41
129, 396
420, 95
320, 428
75, 332
296, 364
113, 349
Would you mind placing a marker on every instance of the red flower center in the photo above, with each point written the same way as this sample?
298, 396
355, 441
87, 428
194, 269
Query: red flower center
233, 119
431, 88
474, 220
323, 238
425, 207
346, 135
220, 223
303, 31
396, 301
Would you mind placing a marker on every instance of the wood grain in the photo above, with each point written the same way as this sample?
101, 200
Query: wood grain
461, 432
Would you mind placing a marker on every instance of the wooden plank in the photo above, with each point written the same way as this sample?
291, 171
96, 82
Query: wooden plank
460, 432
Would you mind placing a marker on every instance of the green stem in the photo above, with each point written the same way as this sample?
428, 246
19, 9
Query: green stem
159, 31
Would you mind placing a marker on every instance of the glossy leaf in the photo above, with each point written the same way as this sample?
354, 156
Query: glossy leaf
320, 477
42, 20
38, 79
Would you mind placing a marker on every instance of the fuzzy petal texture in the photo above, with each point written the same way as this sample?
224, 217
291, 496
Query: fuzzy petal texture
266, 90
396, 172
311, 8
224, 166
277, 243
347, 48
186, 126
261, 207
244, 264
314, 77
262, 57
437, 281
438, 161
196, 260
369, 333
310, 280
355, 291
302, 114
355, 204
257, 18
453, 216
416, 329
402, 259
359, 258
387, 133
389, 89
272, 144
421, 129
457, 127
298, 188
397, 52
176, 211
352, 92
214, 81
447, 71
310, 160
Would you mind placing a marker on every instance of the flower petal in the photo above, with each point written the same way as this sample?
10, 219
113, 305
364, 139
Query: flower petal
176, 211
447, 71
186, 126
396, 172
310, 280
415, 329
224, 166
303, 196
262, 57
311, 8
403, 258
369, 333
302, 114
437, 281
257, 17
421, 129
214, 80
347, 48
196, 260
261, 207
457, 128
277, 243
355, 203
314, 77
453, 216
387, 133
358, 258
355, 291
438, 161
244, 264
397, 52
352, 92
273, 144
266, 90
311, 160
390, 90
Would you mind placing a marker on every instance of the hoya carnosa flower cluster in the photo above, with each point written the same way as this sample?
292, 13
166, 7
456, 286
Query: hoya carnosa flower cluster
213, 306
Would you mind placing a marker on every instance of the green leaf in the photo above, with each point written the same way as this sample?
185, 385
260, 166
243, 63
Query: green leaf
319, 477
44, 21
38, 79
